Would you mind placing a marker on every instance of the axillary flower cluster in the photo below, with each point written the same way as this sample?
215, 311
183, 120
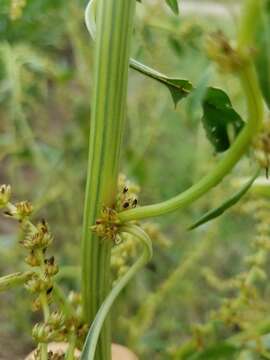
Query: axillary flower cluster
107, 225
62, 319
225, 54
35, 239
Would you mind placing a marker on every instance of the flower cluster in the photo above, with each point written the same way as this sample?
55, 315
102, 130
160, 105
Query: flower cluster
246, 303
224, 54
106, 227
58, 325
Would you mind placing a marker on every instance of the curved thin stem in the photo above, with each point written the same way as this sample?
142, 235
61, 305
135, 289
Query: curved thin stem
93, 334
249, 20
249, 82
12, 280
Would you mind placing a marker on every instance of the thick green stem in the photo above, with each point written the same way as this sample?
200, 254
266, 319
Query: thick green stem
114, 30
93, 334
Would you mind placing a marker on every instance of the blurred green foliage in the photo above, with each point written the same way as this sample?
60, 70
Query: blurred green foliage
45, 91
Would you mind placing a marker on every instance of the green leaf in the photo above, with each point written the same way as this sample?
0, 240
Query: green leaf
195, 99
263, 53
178, 88
173, 4
221, 122
221, 351
212, 214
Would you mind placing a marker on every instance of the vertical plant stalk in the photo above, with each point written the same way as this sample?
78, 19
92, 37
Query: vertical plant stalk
114, 30
88, 352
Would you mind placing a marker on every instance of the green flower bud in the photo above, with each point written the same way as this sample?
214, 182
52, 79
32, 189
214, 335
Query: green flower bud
24, 209
5, 192
56, 320
41, 333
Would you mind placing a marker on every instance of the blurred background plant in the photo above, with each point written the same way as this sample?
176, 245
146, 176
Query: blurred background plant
45, 87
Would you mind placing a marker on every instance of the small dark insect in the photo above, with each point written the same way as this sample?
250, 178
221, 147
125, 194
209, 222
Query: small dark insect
125, 190
49, 261
49, 290
236, 328
126, 205
135, 202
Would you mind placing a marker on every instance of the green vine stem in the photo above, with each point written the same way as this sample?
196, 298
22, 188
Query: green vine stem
114, 31
92, 338
248, 79
250, 17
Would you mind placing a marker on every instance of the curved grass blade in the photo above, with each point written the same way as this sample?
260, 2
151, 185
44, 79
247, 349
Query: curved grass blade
88, 352
212, 214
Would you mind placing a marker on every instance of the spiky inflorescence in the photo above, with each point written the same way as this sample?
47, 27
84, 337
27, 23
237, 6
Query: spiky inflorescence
65, 320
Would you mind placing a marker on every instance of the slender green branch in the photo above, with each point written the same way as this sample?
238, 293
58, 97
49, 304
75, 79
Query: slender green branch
61, 299
71, 347
250, 18
92, 337
114, 32
13, 280
44, 305
184, 199
184, 87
